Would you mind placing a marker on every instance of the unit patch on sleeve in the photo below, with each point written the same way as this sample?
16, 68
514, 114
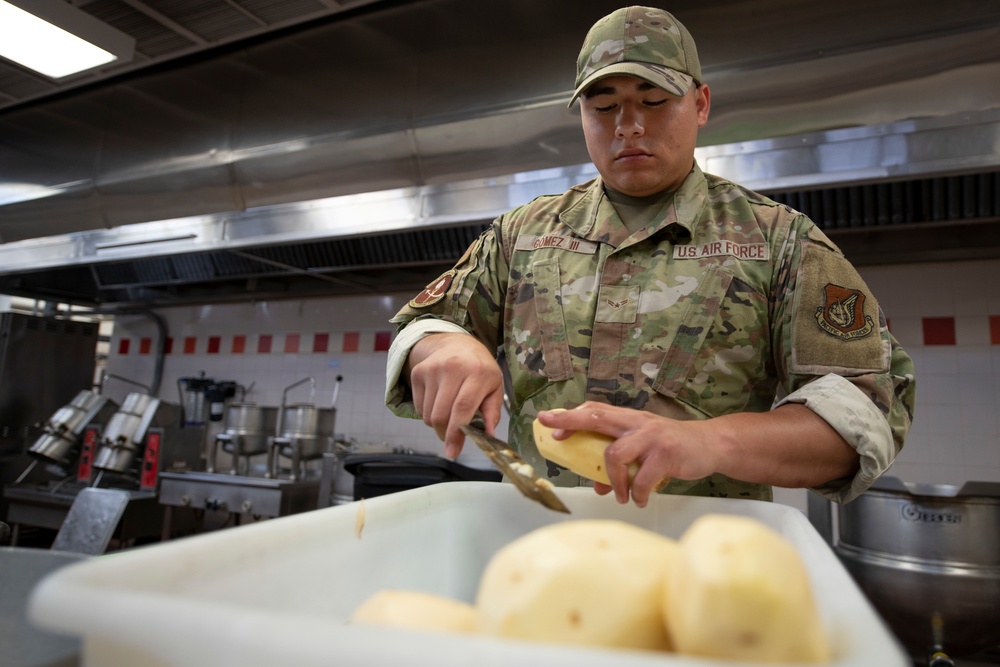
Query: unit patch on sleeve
835, 317
434, 292
843, 315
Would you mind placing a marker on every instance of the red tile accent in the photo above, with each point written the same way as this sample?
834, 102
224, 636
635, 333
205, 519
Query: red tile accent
264, 344
123, 345
995, 329
239, 344
190, 344
145, 345
351, 341
382, 340
321, 342
939, 330
168, 345
213, 344
291, 343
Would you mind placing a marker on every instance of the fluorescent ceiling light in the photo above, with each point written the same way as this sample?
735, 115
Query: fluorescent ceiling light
57, 39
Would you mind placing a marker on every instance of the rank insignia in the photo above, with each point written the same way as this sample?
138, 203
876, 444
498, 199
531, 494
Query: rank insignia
843, 315
434, 292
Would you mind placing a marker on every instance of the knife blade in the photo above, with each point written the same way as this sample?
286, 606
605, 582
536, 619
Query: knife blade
517, 470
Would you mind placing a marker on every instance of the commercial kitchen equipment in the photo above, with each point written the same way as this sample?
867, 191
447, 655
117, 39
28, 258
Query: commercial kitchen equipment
246, 430
928, 557
44, 362
304, 432
62, 436
299, 432
140, 440
243, 598
203, 399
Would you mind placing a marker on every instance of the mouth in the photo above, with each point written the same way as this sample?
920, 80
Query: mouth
631, 154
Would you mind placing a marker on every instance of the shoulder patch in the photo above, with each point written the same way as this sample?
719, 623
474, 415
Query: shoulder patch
435, 291
844, 315
835, 322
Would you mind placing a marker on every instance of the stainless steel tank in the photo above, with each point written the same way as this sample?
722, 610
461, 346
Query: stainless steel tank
247, 429
305, 432
928, 558
122, 438
63, 429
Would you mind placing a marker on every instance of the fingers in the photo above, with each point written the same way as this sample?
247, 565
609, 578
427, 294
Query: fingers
636, 462
452, 376
590, 416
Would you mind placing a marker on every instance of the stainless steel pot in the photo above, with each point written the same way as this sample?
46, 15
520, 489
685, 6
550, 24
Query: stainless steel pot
309, 426
247, 429
928, 558
305, 432
250, 425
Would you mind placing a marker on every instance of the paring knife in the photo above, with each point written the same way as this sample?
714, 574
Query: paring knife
513, 466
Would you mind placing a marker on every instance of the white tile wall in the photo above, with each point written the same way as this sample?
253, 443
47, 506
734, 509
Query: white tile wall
955, 436
361, 412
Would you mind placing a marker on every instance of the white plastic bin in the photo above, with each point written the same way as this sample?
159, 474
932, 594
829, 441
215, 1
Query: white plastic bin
279, 593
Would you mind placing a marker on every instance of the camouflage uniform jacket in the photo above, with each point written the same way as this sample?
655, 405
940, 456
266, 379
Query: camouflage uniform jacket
727, 302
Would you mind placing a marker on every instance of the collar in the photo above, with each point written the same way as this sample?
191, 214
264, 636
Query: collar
590, 216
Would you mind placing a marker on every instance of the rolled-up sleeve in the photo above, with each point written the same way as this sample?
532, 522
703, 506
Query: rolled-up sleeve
859, 422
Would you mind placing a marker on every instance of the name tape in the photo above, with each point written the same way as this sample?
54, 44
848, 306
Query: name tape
570, 243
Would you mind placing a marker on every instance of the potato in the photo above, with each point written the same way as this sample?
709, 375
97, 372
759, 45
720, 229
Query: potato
417, 611
739, 590
588, 582
582, 452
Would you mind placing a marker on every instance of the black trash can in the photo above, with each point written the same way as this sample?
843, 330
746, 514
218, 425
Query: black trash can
379, 474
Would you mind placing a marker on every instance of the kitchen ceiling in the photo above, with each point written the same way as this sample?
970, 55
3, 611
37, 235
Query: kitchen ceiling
226, 161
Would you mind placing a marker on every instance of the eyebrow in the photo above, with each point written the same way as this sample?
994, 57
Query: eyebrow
600, 88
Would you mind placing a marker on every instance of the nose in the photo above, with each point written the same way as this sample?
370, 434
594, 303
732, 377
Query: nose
630, 122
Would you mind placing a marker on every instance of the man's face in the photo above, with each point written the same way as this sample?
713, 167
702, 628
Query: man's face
640, 137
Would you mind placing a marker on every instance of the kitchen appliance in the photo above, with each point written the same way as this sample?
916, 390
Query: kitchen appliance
247, 427
928, 557
203, 399
62, 434
192, 394
281, 592
140, 440
304, 432
300, 432
43, 363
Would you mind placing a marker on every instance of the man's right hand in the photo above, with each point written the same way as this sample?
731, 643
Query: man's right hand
452, 376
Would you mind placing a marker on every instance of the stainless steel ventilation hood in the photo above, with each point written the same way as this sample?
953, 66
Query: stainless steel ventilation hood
401, 119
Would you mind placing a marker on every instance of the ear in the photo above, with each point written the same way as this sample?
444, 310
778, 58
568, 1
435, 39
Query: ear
703, 102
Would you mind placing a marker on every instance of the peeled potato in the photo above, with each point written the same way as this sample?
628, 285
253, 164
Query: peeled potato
417, 611
582, 452
588, 582
739, 590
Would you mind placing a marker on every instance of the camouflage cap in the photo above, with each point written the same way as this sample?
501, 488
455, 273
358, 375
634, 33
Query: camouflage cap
640, 41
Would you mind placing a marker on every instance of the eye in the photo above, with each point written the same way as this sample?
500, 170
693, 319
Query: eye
605, 109
655, 103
